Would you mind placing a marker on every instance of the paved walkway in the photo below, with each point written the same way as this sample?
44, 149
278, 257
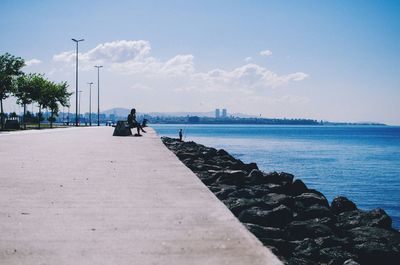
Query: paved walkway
80, 196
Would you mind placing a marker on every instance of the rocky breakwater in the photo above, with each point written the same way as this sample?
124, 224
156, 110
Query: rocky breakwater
295, 222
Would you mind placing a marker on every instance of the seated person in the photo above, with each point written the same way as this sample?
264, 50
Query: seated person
132, 122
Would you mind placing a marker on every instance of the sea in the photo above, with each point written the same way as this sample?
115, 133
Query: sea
359, 162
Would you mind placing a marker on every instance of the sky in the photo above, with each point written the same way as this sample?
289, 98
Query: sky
324, 60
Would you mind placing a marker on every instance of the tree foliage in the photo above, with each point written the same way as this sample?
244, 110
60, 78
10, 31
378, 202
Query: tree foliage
10, 68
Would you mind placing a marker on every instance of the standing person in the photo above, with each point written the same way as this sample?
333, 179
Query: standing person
180, 135
133, 122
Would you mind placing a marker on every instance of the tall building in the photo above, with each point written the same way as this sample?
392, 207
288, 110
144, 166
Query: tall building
217, 114
224, 113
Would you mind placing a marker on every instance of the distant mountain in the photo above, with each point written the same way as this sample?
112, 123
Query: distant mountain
124, 112
117, 112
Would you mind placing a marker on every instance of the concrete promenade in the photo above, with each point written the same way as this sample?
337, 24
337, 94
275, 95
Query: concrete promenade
80, 196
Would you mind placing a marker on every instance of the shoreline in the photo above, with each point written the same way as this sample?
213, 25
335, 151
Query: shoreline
295, 222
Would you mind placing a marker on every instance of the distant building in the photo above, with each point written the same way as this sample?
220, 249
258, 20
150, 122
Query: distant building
224, 113
217, 114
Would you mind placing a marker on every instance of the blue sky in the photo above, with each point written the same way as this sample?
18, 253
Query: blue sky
330, 60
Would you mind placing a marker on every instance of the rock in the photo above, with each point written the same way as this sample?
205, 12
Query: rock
307, 249
342, 204
351, 262
237, 205
276, 199
310, 228
335, 255
298, 187
331, 241
375, 245
299, 261
265, 232
314, 211
276, 217
357, 218
305, 200
231, 177
224, 192
279, 178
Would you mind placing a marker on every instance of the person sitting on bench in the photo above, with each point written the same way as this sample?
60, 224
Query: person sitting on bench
132, 122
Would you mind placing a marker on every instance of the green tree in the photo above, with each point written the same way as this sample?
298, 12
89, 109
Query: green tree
24, 91
39, 94
56, 95
10, 67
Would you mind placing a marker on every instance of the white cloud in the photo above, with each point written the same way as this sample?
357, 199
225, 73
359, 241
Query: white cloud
248, 59
132, 59
266, 53
33, 62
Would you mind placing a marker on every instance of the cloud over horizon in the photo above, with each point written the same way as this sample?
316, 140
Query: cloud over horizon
132, 58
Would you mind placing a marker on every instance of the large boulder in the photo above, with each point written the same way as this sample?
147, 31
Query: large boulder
307, 199
375, 245
298, 187
356, 218
341, 204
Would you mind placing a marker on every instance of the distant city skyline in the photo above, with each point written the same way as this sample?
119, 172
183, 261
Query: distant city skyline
323, 60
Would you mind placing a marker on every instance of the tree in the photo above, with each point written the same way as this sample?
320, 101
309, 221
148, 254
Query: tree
39, 93
56, 94
24, 91
10, 67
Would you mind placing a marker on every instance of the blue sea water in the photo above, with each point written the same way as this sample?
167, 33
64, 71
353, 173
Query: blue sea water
359, 162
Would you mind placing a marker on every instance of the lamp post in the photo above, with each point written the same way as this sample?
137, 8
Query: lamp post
90, 103
76, 86
98, 93
79, 109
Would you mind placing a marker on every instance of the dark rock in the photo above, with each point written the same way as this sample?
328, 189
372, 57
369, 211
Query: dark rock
335, 255
284, 247
276, 199
307, 249
279, 178
305, 200
356, 218
231, 177
299, 261
276, 217
237, 205
297, 187
265, 232
331, 241
314, 211
310, 229
375, 245
224, 192
351, 262
342, 204
222, 152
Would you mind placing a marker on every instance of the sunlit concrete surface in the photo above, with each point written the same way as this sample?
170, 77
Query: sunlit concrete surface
81, 196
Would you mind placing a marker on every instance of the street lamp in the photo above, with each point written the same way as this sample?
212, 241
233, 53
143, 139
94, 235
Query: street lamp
76, 89
79, 109
90, 103
98, 93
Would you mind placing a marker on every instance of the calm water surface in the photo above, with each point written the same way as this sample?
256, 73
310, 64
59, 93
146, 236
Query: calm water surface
359, 162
